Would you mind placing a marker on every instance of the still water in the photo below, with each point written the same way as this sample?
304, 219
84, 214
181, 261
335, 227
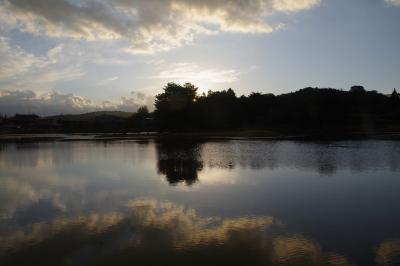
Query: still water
236, 202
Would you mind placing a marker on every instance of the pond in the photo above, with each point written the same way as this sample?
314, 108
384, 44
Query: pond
232, 202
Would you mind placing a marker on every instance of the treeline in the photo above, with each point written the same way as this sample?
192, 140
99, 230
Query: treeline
182, 108
90, 122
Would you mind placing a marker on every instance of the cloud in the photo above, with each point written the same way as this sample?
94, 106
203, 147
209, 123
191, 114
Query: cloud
134, 101
54, 103
15, 61
294, 5
393, 2
12, 102
107, 80
20, 69
147, 26
189, 72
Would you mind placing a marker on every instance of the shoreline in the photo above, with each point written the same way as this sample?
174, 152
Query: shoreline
199, 136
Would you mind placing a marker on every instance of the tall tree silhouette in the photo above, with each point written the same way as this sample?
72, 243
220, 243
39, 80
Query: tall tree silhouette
174, 107
394, 97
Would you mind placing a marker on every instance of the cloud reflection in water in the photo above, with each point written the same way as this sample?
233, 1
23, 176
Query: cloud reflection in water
151, 232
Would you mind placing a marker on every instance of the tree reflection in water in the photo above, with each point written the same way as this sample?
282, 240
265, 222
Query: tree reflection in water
179, 161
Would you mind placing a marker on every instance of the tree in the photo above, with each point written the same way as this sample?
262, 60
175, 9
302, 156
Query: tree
395, 103
357, 89
218, 109
174, 107
138, 119
142, 111
395, 96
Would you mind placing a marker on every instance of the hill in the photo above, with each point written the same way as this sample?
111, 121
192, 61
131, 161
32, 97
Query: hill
92, 115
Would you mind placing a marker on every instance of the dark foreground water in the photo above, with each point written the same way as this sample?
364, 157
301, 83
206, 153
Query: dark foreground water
200, 203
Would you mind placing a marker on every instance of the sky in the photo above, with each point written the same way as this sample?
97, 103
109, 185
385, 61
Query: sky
75, 56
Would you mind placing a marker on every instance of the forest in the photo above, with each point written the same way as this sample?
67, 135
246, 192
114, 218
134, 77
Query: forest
181, 107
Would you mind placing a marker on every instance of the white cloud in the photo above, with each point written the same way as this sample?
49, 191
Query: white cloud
393, 2
147, 25
54, 103
20, 69
188, 72
51, 76
12, 102
104, 61
15, 61
294, 5
107, 81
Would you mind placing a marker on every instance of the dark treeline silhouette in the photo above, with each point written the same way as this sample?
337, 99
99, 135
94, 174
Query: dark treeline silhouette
111, 121
181, 108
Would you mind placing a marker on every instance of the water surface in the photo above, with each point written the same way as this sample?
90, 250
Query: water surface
235, 202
